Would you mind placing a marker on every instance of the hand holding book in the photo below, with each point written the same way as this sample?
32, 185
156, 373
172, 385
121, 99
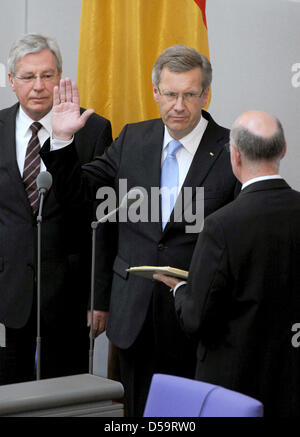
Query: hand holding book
170, 281
149, 271
168, 275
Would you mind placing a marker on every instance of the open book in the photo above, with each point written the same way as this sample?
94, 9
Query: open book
149, 271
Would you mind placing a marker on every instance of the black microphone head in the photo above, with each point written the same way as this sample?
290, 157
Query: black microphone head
133, 195
44, 181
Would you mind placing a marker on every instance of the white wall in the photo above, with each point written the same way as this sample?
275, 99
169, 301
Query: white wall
60, 19
12, 21
254, 45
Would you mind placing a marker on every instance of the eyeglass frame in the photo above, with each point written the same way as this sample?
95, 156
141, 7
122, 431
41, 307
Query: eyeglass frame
183, 96
34, 77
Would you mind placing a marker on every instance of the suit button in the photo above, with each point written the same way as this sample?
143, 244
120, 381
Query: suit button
161, 246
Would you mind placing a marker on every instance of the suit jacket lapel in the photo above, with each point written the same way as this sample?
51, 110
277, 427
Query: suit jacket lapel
152, 156
151, 165
8, 152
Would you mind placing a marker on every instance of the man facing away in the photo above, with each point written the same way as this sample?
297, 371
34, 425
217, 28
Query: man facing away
243, 293
185, 146
35, 68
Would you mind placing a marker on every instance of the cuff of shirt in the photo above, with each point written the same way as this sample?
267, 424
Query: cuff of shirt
59, 144
177, 286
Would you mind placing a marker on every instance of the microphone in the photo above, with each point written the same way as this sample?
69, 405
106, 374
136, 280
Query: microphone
130, 197
43, 182
126, 202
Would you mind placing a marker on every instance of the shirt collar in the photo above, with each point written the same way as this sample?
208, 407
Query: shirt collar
191, 141
260, 178
25, 121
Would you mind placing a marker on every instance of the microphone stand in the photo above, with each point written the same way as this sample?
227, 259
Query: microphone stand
38, 338
125, 203
94, 226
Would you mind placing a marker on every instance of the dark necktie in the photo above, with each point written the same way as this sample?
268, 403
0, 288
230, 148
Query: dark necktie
32, 166
169, 181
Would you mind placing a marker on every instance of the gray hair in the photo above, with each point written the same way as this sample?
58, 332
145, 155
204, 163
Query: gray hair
180, 58
258, 148
29, 44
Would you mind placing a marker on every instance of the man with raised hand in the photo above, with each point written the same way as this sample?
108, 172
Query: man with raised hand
184, 149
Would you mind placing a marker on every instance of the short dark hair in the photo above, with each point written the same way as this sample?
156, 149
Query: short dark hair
180, 58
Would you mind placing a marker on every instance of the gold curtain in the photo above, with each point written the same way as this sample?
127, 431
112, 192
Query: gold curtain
119, 42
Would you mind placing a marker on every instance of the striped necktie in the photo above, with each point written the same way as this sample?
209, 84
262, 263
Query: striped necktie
32, 166
169, 181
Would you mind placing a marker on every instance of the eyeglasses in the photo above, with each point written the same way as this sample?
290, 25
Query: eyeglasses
171, 97
45, 77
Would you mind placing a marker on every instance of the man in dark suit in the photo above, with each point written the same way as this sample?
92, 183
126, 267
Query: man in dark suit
243, 292
142, 322
35, 67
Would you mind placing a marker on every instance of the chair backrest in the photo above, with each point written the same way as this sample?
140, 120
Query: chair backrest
174, 396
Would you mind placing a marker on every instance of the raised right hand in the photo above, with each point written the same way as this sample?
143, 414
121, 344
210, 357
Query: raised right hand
66, 117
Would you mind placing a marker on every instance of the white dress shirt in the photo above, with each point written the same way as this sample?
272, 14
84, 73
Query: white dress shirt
186, 153
23, 135
260, 178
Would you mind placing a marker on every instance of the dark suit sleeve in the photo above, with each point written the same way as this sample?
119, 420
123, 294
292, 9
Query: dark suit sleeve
74, 183
106, 234
90, 143
202, 304
93, 139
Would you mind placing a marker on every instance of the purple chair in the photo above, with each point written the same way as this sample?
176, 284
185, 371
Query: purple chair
174, 396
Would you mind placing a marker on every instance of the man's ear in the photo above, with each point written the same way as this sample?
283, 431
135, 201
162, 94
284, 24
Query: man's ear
11, 81
284, 152
235, 159
237, 155
205, 97
155, 92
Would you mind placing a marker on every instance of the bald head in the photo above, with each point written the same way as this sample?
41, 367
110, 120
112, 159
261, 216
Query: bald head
258, 136
258, 123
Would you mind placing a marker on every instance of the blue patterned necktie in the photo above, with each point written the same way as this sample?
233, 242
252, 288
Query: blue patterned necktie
169, 181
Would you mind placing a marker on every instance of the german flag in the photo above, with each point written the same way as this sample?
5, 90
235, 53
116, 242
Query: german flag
119, 42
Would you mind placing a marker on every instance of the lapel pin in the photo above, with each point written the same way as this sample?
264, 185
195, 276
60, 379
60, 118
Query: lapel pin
211, 154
